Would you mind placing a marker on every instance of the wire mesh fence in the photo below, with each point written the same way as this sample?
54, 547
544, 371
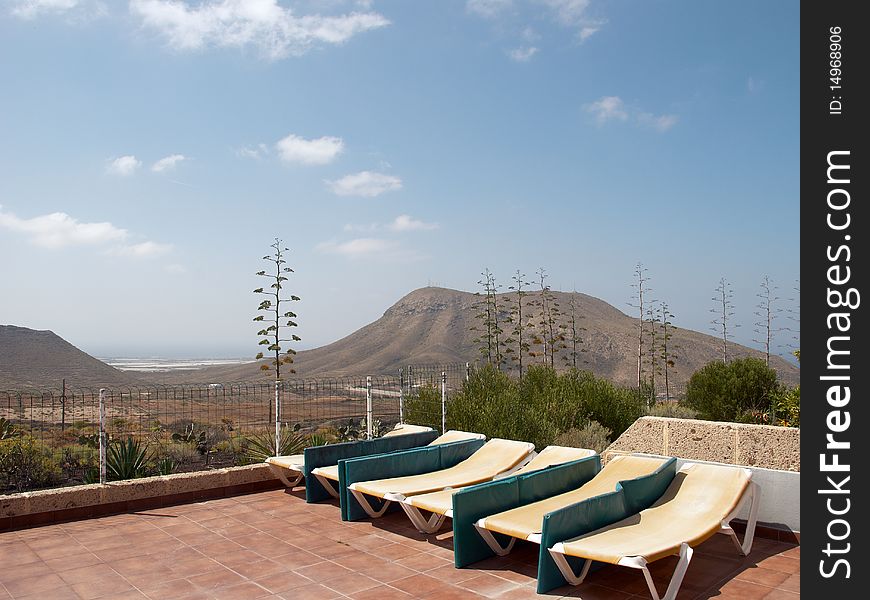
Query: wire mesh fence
53, 438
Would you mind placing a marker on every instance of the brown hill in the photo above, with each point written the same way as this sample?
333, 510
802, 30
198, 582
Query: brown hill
42, 359
432, 326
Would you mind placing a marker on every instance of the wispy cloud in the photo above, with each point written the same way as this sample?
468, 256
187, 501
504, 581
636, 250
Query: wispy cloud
30, 9
400, 224
754, 85
75, 10
365, 183
318, 151
359, 247
256, 152
612, 108
124, 165
262, 24
488, 8
523, 53
569, 14
408, 223
660, 123
607, 108
59, 230
167, 163
142, 250
175, 269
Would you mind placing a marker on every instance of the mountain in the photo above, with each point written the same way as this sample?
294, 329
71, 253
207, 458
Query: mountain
433, 326
42, 359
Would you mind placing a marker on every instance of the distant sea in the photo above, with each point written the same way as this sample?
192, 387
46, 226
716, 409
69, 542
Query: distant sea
166, 365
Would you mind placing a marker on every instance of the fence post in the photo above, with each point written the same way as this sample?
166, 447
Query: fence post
443, 401
401, 395
410, 379
277, 417
103, 440
369, 407
467, 371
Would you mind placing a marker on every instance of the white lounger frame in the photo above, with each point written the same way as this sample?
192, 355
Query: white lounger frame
752, 495
328, 484
436, 520
281, 472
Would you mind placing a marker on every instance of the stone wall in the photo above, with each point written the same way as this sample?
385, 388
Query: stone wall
762, 446
83, 501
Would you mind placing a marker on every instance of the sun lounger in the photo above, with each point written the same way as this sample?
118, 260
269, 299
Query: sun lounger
290, 468
550, 506
328, 475
494, 458
440, 503
525, 522
701, 501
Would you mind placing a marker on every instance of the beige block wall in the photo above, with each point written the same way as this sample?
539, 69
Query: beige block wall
731, 443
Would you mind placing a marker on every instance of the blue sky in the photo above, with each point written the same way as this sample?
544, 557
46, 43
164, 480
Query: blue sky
151, 150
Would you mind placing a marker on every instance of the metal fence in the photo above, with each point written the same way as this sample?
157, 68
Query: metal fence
68, 437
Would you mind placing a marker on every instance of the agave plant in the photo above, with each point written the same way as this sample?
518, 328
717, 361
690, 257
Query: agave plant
166, 466
7, 430
262, 446
127, 459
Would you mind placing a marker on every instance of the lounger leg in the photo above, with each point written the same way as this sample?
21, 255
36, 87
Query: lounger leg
567, 572
493, 544
753, 495
364, 502
430, 525
279, 473
328, 485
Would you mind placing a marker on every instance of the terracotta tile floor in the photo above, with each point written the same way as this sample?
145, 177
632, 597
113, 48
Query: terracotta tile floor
274, 545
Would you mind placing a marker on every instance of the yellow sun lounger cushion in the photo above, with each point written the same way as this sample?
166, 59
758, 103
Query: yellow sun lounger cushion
691, 510
523, 521
331, 472
494, 457
293, 462
404, 428
442, 502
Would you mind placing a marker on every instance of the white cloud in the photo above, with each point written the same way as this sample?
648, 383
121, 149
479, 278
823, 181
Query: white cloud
59, 230
365, 183
488, 8
264, 24
358, 228
257, 152
607, 108
359, 247
30, 9
588, 31
660, 123
142, 250
568, 12
612, 108
523, 53
167, 163
408, 223
319, 151
124, 165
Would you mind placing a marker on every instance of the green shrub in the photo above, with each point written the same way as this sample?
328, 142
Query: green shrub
25, 464
674, 410
423, 407
542, 404
178, 453
7, 430
786, 407
593, 436
726, 392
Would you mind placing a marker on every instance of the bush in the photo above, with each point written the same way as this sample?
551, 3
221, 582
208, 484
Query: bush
593, 436
423, 407
180, 454
258, 447
674, 410
26, 465
542, 404
726, 392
